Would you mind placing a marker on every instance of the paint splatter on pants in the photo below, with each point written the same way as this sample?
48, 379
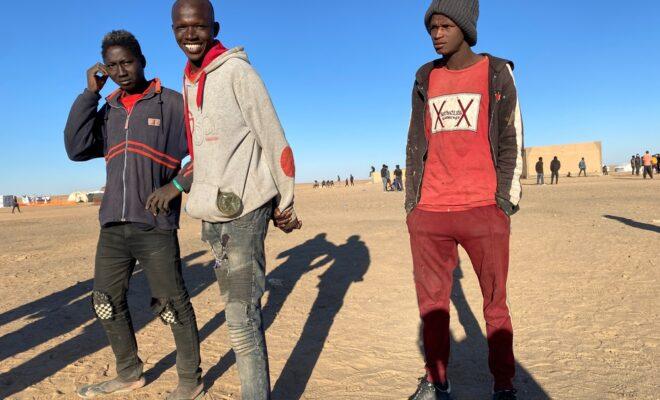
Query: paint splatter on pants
238, 246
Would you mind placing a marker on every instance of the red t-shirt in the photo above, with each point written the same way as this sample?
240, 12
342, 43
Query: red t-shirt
129, 100
459, 172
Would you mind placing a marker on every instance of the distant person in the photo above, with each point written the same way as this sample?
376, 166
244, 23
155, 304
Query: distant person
346, 185
464, 109
373, 169
398, 179
632, 164
322, 184
583, 167
539, 172
14, 205
385, 176
655, 160
555, 166
638, 164
352, 180
316, 184
129, 232
605, 170
338, 179
647, 162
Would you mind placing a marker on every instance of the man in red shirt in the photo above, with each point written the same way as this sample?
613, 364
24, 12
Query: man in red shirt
464, 160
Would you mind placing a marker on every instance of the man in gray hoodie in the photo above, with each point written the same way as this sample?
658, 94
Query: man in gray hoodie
241, 175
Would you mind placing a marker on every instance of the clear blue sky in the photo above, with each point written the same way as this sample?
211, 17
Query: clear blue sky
340, 74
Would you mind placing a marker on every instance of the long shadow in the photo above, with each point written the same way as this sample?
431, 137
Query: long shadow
635, 224
350, 263
281, 281
468, 363
65, 318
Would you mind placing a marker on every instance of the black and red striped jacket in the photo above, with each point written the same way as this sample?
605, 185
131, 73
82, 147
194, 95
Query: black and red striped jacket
143, 150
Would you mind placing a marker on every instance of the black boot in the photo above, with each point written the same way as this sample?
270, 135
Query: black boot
428, 391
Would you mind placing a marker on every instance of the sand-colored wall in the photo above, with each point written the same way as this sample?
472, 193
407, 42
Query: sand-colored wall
568, 154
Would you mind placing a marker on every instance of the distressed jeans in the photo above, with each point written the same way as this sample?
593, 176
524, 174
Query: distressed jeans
240, 269
157, 251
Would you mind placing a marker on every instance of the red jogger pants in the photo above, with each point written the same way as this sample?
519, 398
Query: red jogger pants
434, 238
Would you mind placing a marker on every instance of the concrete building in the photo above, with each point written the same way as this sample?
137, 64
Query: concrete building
568, 154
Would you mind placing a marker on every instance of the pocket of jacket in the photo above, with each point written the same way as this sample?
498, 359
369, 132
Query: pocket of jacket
202, 201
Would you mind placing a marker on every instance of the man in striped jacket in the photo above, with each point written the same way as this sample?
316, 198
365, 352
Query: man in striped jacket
464, 162
140, 132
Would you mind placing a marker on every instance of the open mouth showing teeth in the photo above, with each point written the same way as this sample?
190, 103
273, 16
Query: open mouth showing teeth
193, 48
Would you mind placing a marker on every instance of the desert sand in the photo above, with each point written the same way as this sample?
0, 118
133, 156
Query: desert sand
341, 313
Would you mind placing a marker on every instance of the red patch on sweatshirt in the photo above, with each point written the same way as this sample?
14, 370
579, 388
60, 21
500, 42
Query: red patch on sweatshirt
287, 163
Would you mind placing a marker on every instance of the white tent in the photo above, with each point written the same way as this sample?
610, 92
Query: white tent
78, 197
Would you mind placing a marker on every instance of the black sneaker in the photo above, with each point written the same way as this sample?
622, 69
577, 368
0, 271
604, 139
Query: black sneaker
505, 395
428, 391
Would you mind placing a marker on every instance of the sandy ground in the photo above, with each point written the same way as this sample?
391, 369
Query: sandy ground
341, 310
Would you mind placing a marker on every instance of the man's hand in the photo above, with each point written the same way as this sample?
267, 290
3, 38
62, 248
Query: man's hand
160, 199
95, 82
285, 220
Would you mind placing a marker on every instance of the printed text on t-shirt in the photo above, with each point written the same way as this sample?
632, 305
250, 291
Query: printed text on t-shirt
455, 112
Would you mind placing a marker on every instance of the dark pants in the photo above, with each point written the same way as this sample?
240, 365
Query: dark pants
238, 246
581, 171
434, 238
554, 177
157, 251
15, 207
398, 184
637, 169
648, 170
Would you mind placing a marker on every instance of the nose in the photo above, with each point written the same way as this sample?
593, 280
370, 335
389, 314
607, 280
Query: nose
190, 33
121, 71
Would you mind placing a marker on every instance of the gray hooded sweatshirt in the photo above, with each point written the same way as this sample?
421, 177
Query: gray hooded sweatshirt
239, 144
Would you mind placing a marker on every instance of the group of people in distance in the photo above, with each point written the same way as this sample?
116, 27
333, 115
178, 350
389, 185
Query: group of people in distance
465, 110
647, 163
390, 185
350, 181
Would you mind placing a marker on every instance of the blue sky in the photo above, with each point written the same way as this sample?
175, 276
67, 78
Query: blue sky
340, 75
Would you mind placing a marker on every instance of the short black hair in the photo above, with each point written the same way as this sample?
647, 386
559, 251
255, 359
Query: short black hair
121, 38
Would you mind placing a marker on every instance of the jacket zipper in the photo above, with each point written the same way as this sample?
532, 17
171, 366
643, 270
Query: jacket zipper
127, 131
123, 178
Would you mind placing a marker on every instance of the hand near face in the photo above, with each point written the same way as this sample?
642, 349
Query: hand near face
97, 76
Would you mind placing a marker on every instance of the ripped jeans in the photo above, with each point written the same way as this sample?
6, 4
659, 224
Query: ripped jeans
238, 246
157, 251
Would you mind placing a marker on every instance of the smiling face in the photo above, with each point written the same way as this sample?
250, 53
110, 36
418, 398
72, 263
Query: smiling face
446, 35
195, 29
124, 68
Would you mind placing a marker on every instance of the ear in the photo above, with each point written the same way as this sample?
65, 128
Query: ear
216, 29
143, 60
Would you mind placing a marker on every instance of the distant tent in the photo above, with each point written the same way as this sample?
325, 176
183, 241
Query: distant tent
78, 197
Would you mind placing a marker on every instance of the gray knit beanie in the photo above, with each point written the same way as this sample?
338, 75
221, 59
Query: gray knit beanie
464, 13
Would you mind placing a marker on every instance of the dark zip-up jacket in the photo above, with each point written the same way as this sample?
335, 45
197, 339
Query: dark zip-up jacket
505, 133
143, 150
555, 165
539, 167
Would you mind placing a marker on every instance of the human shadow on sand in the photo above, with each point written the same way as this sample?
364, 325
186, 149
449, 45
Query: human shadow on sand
634, 224
468, 363
59, 314
347, 262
